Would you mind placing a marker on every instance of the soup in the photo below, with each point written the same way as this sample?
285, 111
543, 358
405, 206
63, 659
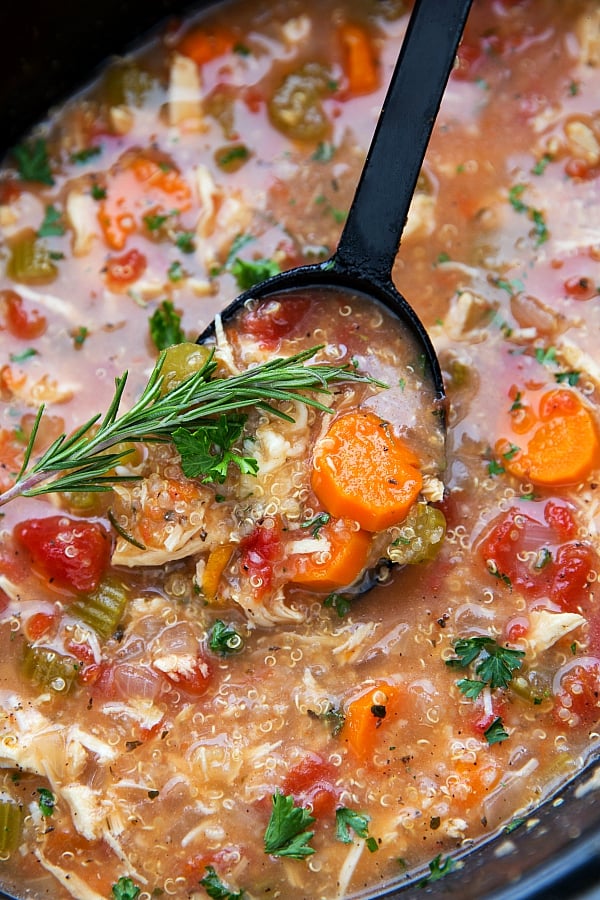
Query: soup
239, 671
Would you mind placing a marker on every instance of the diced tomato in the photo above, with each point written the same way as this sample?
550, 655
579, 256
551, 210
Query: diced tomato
580, 287
9, 191
530, 554
72, 554
274, 319
259, 553
122, 271
39, 625
560, 519
312, 783
82, 652
193, 679
11, 457
483, 717
570, 575
580, 168
578, 699
22, 322
102, 678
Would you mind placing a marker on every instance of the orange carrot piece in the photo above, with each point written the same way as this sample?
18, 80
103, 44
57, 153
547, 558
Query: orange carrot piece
203, 46
367, 716
360, 64
563, 447
342, 560
213, 570
361, 471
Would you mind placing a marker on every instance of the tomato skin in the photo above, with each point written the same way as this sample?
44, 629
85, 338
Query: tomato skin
312, 783
194, 680
122, 271
274, 319
578, 699
259, 552
26, 324
72, 554
569, 582
39, 625
560, 519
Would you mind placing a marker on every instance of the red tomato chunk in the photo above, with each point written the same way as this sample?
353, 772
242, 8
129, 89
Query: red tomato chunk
71, 554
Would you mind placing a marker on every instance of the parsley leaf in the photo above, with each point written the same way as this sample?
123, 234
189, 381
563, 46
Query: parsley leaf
52, 225
125, 889
495, 664
346, 819
470, 687
175, 271
155, 221
247, 273
317, 523
165, 326
23, 355
438, 868
82, 156
98, 192
495, 734
224, 639
47, 802
32, 162
324, 152
339, 602
494, 468
215, 888
570, 378
285, 834
207, 451
185, 241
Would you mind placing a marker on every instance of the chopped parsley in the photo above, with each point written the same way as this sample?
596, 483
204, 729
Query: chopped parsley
185, 241
241, 50
125, 889
316, 523
511, 452
513, 825
543, 557
155, 221
98, 192
494, 468
570, 378
247, 273
546, 355
232, 157
79, 336
286, 833
471, 687
23, 355
494, 663
52, 225
83, 156
540, 166
371, 844
207, 452
438, 868
347, 820
516, 404
224, 639
46, 802
496, 733
215, 888
175, 271
32, 161
339, 602
537, 217
165, 326
324, 152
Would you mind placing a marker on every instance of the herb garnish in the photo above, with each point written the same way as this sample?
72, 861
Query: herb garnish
285, 834
165, 326
346, 819
154, 221
52, 225
98, 192
438, 868
23, 355
316, 523
324, 152
175, 271
570, 378
247, 273
224, 639
537, 217
494, 663
82, 156
32, 162
207, 452
185, 241
339, 602
46, 802
495, 734
215, 888
125, 889
81, 461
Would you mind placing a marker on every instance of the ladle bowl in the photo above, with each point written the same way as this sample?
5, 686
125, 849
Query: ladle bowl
363, 260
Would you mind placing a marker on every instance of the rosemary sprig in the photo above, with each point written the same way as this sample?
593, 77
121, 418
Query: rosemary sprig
82, 461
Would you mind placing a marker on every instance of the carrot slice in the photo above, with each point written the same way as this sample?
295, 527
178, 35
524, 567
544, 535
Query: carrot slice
360, 64
343, 558
361, 471
563, 447
367, 717
214, 568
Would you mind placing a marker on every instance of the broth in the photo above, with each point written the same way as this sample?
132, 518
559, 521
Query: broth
186, 664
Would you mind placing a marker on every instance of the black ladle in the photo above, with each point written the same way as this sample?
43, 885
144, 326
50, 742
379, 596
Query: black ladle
369, 242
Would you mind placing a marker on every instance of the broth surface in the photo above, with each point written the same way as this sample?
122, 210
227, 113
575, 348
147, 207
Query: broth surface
190, 668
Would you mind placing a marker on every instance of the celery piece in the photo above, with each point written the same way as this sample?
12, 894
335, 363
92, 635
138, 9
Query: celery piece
103, 609
11, 820
49, 669
420, 536
30, 261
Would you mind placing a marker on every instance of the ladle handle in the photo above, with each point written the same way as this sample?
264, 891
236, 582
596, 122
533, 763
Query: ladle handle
375, 222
